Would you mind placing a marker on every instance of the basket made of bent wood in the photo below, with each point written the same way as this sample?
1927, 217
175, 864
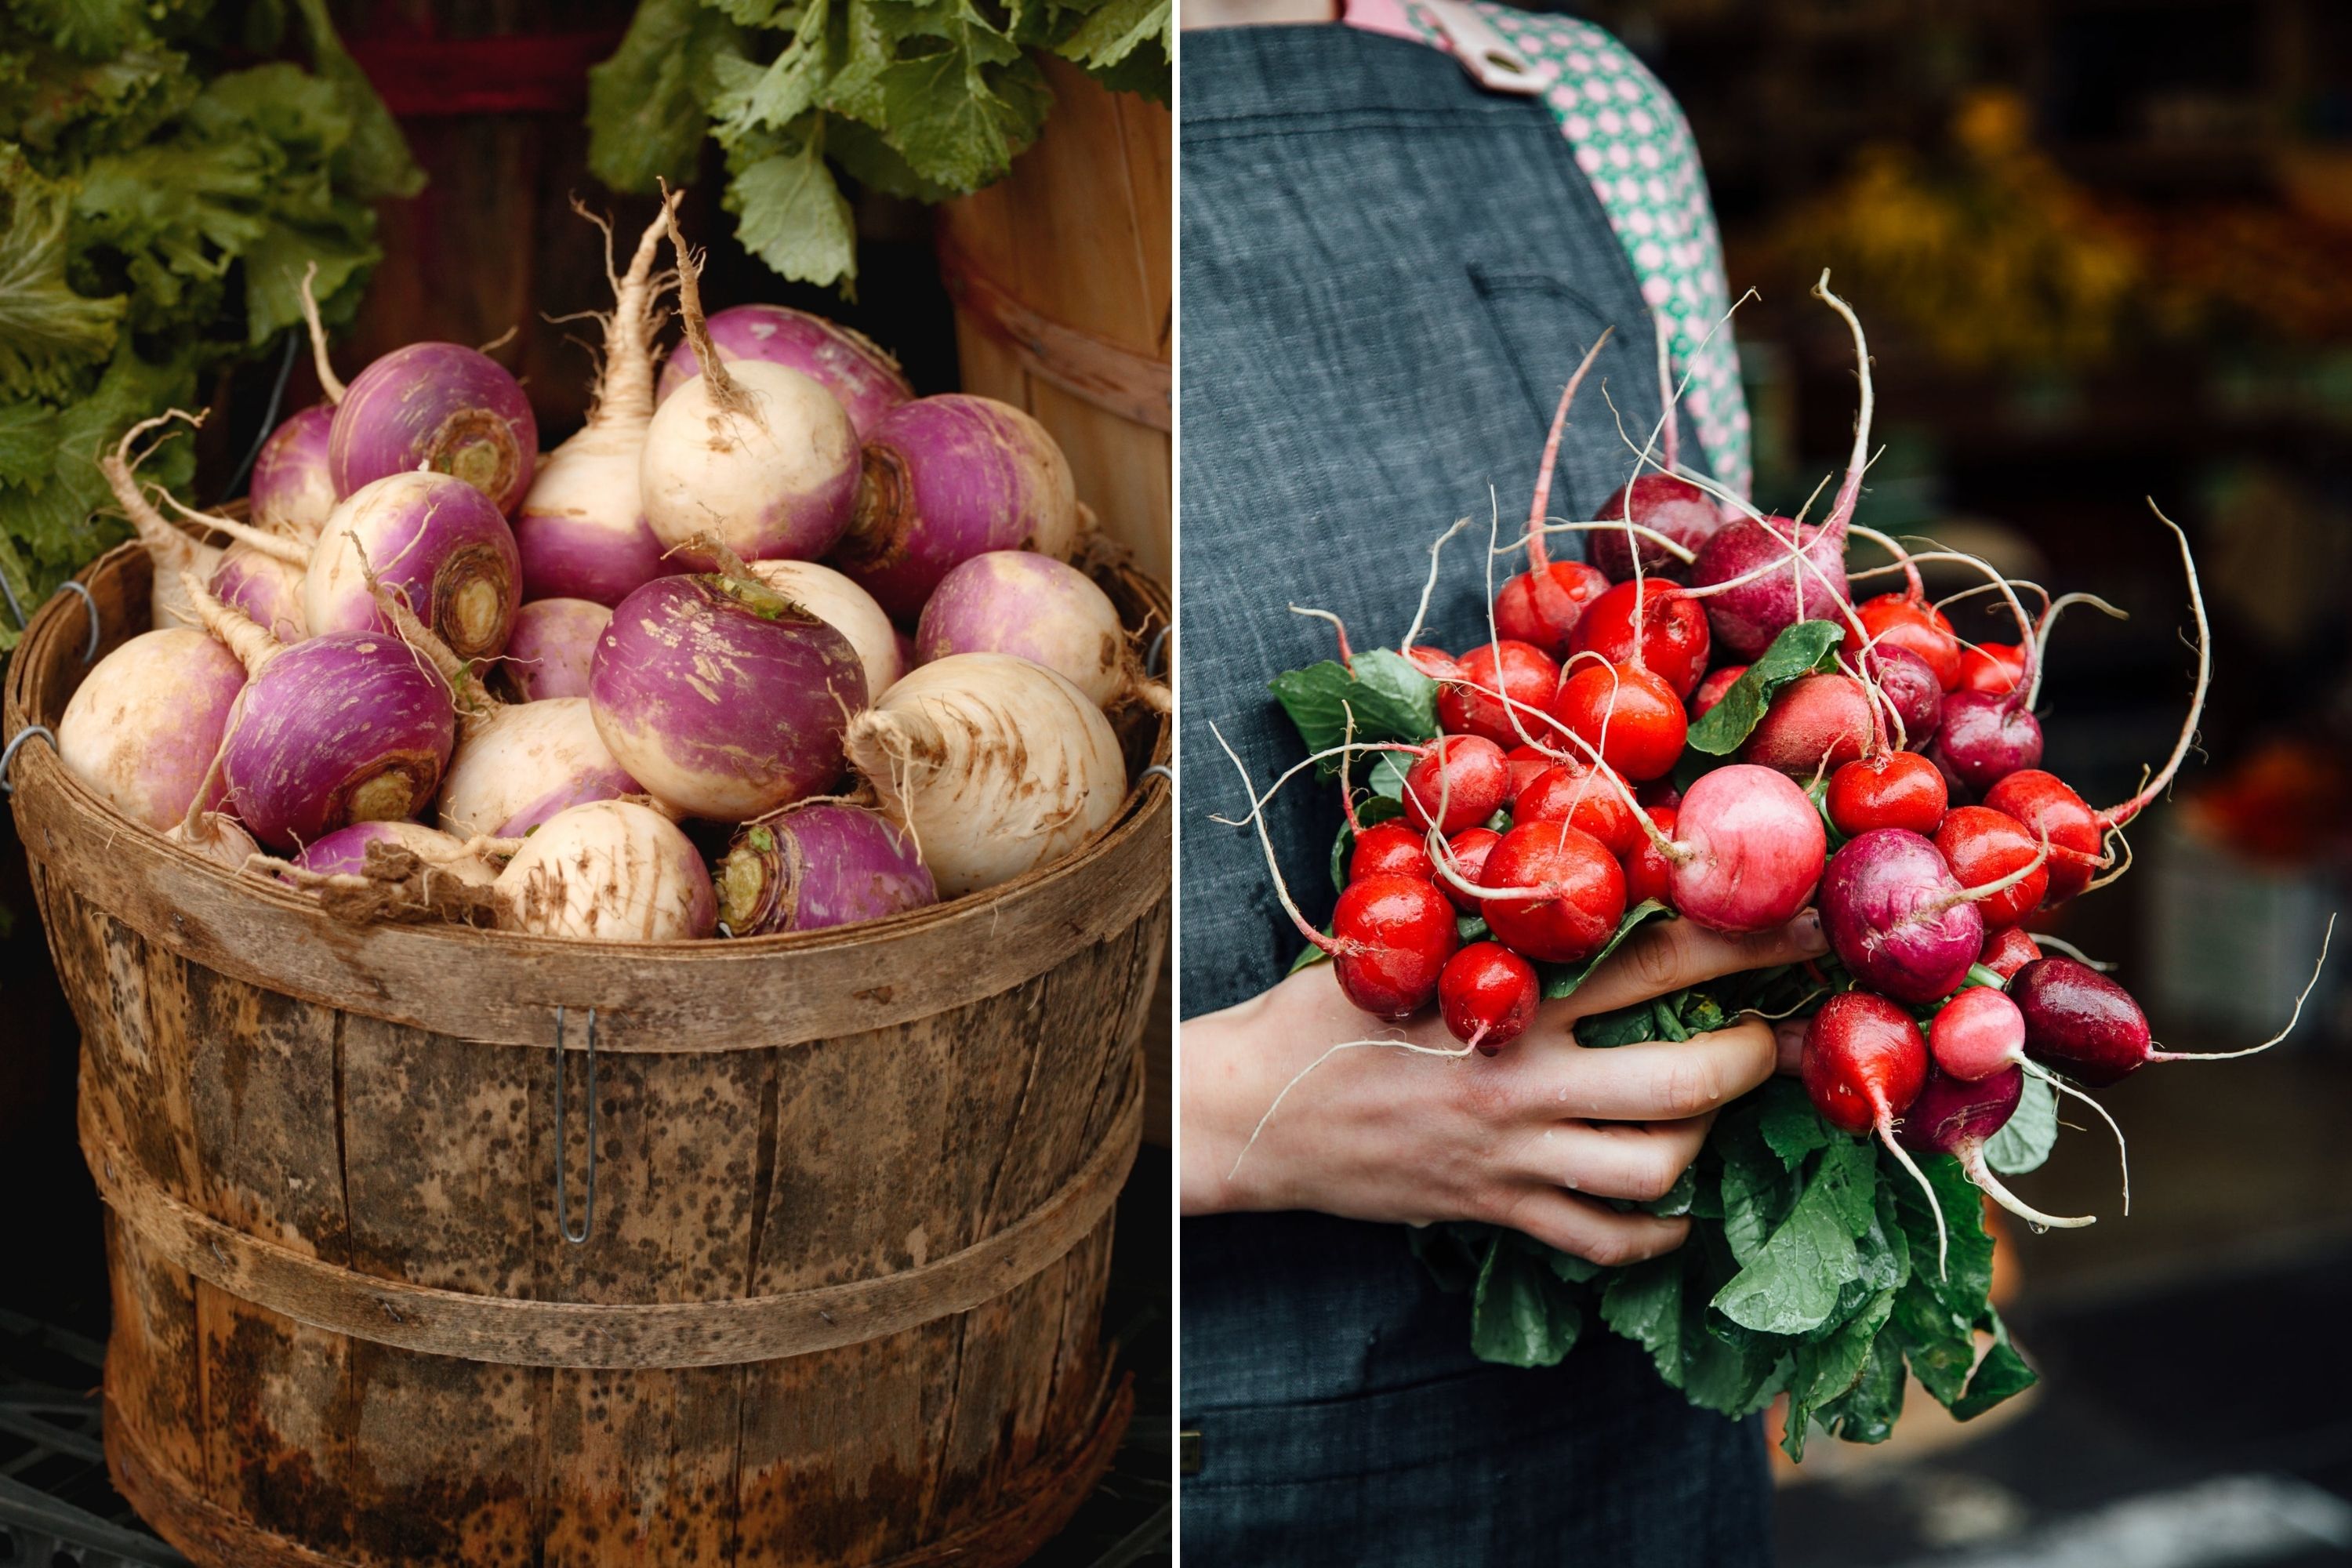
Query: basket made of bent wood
841, 1298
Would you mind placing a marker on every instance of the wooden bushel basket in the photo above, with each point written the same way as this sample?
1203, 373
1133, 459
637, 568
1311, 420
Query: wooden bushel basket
840, 1299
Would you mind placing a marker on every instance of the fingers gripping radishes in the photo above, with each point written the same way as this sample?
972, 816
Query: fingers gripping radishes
609, 871
141, 729
819, 864
865, 380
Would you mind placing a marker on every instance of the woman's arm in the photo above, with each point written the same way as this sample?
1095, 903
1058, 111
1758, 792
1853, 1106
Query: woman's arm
1398, 1136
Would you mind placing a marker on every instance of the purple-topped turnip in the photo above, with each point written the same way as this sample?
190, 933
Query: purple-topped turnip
1019, 602
549, 649
442, 408
344, 852
143, 728
437, 543
611, 871
293, 485
847, 609
819, 864
863, 377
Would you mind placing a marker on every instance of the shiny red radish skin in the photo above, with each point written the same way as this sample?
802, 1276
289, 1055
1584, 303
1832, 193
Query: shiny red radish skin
1774, 593
1487, 994
1956, 1117
1470, 706
1528, 763
1434, 662
1996, 669
1544, 606
1864, 1064
1711, 690
2046, 806
1459, 782
2008, 950
1578, 796
1984, 739
1648, 873
1818, 722
1909, 687
1633, 716
1581, 892
1897, 916
1393, 936
1389, 849
1662, 503
1468, 851
2080, 1023
1982, 846
1749, 851
1893, 789
1896, 620
1673, 641
1977, 1033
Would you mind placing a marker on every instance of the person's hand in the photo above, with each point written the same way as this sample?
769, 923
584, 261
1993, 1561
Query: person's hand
1528, 1139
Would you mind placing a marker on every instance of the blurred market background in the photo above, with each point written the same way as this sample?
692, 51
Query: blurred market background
2103, 249
166, 169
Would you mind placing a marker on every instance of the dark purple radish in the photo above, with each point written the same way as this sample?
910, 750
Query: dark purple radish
1863, 1065
443, 407
1910, 688
1899, 918
819, 864
861, 375
1664, 503
1980, 1033
1985, 738
1019, 602
581, 532
438, 543
2080, 1023
293, 485
949, 477
143, 728
548, 651
1953, 1116
175, 554
722, 697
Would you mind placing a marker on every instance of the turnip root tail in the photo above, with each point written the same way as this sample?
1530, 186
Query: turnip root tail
623, 392
236, 631
276, 546
328, 381
1972, 1161
1537, 556
1850, 492
175, 553
473, 700
725, 393
2293, 1018
2118, 816
1935, 1204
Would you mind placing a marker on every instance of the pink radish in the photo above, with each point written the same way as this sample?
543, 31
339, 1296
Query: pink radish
862, 377
611, 871
1019, 602
442, 408
947, 479
817, 864
1864, 1064
1980, 1033
141, 729
437, 543
847, 609
757, 455
549, 649
1955, 1116
1747, 852
581, 532
996, 764
724, 699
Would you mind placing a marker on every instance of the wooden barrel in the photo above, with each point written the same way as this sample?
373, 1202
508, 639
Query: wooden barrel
847, 1197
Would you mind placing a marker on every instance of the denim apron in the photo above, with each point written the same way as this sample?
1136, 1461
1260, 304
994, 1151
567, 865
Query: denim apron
1388, 274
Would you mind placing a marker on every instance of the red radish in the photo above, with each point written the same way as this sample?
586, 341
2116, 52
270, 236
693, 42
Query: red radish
1984, 739
1487, 995
1673, 641
1459, 783
1953, 1116
723, 697
344, 852
1909, 687
1817, 722
442, 408
1648, 873
1660, 504
550, 647
1633, 716
1711, 690
176, 556
348, 727
1434, 662
611, 871
949, 477
1994, 668
1527, 680
1467, 851
1545, 605
143, 728
1019, 602
1899, 917
1552, 892
1864, 1064
1528, 763
1747, 851
861, 375
817, 865
848, 609
1391, 938
1982, 846
997, 765
1907, 621
756, 456
2008, 950
434, 542
1583, 795
293, 486
1389, 849
581, 531
1893, 789
1979, 1031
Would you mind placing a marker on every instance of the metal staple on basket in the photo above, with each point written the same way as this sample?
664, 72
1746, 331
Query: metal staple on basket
563, 1201
74, 585
8, 755
1153, 654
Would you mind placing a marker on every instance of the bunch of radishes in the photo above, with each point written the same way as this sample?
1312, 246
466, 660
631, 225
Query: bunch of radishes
1707, 722
920, 719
